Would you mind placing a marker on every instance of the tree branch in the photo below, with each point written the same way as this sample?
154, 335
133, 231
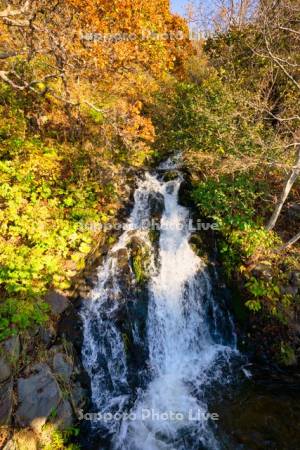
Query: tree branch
290, 29
290, 242
285, 192
277, 61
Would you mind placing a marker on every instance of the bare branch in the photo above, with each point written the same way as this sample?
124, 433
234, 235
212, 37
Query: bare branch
4, 76
285, 192
277, 61
290, 242
290, 29
93, 106
9, 54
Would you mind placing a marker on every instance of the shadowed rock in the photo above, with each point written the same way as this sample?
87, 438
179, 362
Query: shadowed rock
39, 395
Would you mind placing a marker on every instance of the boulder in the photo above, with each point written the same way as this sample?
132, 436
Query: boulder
12, 348
5, 369
9, 355
122, 258
63, 366
39, 395
6, 402
57, 302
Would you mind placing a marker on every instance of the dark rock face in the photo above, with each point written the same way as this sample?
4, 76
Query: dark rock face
9, 355
184, 195
39, 395
6, 402
12, 347
78, 395
122, 258
70, 328
5, 369
58, 302
156, 205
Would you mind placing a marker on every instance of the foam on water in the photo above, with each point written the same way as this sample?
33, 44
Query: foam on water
187, 348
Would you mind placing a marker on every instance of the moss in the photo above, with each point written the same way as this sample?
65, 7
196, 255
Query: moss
54, 439
287, 355
139, 268
154, 236
140, 261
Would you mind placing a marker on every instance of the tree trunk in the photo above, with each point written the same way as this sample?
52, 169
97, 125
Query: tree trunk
286, 190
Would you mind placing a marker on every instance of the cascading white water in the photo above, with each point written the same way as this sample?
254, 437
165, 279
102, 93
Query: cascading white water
186, 347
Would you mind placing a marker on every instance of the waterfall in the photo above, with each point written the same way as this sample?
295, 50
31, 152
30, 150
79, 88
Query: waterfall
156, 399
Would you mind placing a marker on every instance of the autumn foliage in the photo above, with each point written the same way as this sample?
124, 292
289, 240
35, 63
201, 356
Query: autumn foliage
77, 78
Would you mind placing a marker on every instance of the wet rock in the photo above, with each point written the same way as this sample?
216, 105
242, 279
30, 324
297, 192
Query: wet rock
122, 257
39, 395
58, 302
84, 293
156, 204
70, 328
5, 369
6, 402
123, 266
170, 175
195, 240
170, 188
91, 281
63, 366
184, 195
140, 262
136, 243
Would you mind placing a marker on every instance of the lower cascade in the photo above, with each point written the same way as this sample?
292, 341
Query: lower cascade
156, 344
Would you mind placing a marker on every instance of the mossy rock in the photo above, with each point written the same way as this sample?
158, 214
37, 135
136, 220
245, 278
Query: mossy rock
140, 257
170, 175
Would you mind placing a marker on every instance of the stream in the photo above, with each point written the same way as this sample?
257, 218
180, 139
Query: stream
160, 353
